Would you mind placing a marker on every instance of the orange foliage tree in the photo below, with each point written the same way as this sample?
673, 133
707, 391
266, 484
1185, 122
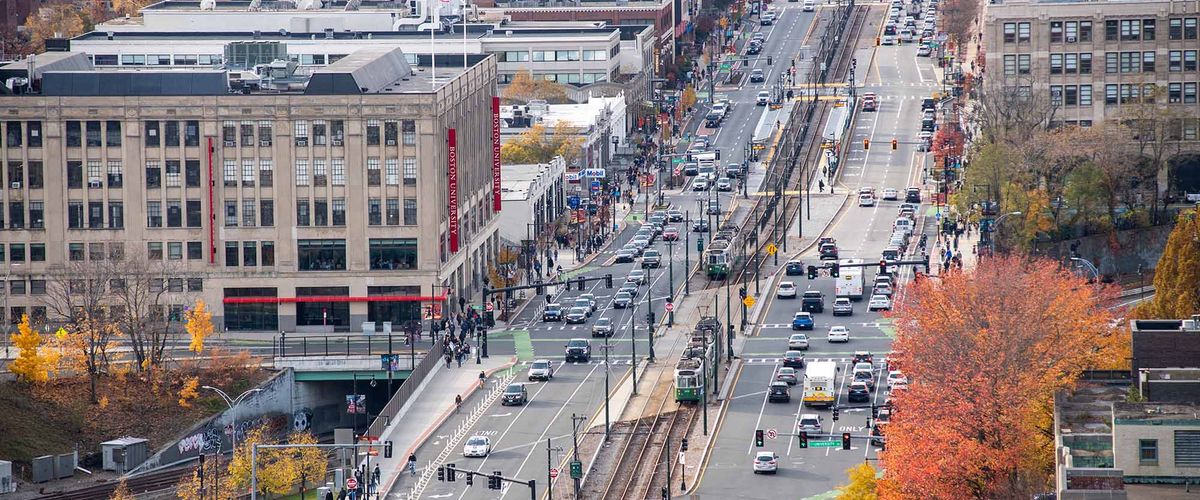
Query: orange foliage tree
985, 350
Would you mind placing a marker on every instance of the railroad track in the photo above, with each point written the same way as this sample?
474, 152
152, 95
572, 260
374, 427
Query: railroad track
647, 437
144, 483
682, 421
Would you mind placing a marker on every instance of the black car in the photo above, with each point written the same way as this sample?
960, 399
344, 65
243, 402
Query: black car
779, 392
829, 251
514, 394
813, 301
793, 359
579, 350
795, 268
859, 393
700, 226
912, 195
754, 49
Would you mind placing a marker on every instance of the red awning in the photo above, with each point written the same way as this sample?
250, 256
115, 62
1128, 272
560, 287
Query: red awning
334, 298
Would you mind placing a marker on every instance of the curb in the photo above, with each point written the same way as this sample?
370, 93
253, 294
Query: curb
720, 420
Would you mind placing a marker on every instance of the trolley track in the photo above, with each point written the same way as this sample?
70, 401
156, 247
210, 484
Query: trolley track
144, 483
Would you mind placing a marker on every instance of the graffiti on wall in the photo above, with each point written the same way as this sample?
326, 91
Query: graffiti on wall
302, 420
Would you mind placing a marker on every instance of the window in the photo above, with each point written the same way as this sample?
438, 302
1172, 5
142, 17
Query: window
321, 255
268, 253
195, 251
175, 285
194, 219
393, 211
1131, 30
37, 252
115, 175
74, 134
16, 172
116, 250
34, 134
1072, 29
93, 134
337, 132
1148, 61
300, 132
319, 132
1023, 64
75, 252
133, 60
13, 134
16, 214
95, 215
1010, 64
1056, 95
231, 254
230, 173
372, 132
249, 213
1189, 28
37, 287
1189, 64
410, 170
410, 211
1189, 93
1175, 92
1085, 31
266, 173
373, 176
1056, 31
154, 214
154, 250
1110, 62
319, 176
515, 56
171, 133
264, 133
1071, 95
250, 253
116, 215
393, 172
1175, 60
339, 211
1070, 64
1023, 30
1112, 30
1148, 451
1175, 29
191, 133
93, 173
191, 172
390, 132
175, 250
37, 215
1129, 62
374, 212
302, 213
1085, 95
1110, 94
1085, 63
16, 252
246, 130
267, 212
1148, 29
35, 174
195, 284
75, 215
112, 133
1056, 64
409, 128
174, 214
301, 172
320, 213
231, 219
153, 175
388, 254
229, 133
248, 173
339, 171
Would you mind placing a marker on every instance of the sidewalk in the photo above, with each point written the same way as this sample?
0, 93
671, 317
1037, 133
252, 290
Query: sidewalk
429, 407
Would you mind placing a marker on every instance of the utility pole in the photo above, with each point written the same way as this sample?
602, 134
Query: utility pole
575, 421
670, 282
606, 347
687, 232
667, 452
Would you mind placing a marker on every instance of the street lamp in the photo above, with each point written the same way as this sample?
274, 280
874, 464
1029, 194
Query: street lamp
232, 402
997, 228
1087, 265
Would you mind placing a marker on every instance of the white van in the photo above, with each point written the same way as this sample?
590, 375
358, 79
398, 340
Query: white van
809, 5
903, 224
906, 35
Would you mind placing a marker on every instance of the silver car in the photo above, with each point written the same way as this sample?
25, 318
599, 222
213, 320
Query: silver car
541, 369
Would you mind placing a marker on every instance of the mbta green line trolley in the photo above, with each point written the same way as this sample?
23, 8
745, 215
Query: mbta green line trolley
689, 387
720, 258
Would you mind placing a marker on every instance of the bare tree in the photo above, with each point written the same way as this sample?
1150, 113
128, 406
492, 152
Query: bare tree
77, 298
1009, 111
1157, 128
145, 317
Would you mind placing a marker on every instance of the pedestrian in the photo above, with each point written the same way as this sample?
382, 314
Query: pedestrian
482, 378
460, 358
412, 464
457, 402
447, 360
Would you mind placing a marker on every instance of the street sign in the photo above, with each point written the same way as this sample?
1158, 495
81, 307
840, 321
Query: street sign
573, 201
670, 307
593, 172
771, 249
772, 434
749, 301
489, 307
677, 160
595, 185
576, 469
351, 483
553, 473
725, 66
824, 444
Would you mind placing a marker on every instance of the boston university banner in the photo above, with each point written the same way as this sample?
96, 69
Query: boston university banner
496, 201
452, 158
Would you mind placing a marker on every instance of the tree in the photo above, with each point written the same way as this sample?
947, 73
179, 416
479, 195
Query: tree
504, 272
689, 97
985, 351
533, 146
188, 393
33, 364
862, 483
77, 295
1157, 125
524, 88
122, 492
1177, 275
60, 20
130, 7
198, 323
1009, 112
141, 308
280, 470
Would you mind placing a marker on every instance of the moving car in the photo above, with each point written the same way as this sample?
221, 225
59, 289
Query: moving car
579, 350
924, 51
870, 102
864, 357
670, 234
843, 307
787, 290
767, 18
766, 462
674, 215
828, 250
625, 255
809, 422
724, 184
798, 341
802, 321
866, 200
787, 374
763, 98
603, 327
895, 378
793, 359
700, 184
865, 376
891, 194
779, 392
813, 301
859, 392
757, 75
754, 48
514, 394
541, 369
700, 226
651, 258
477, 446
809, 6
838, 333
553, 312
794, 268
879, 303
577, 315
882, 289
733, 170
588, 304
622, 299
637, 277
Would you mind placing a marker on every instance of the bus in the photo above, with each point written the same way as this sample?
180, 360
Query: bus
820, 378
849, 282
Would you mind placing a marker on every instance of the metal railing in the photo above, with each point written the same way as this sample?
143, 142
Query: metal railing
407, 389
338, 345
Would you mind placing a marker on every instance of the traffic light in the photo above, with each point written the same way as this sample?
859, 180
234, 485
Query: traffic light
874, 411
387, 449
607, 281
866, 144
441, 473
812, 272
883, 267
450, 473
835, 413
718, 151
845, 440
700, 245
925, 260
665, 494
835, 270
580, 281
470, 479
650, 317
742, 292
494, 480
758, 438
895, 144
803, 439
683, 445
770, 60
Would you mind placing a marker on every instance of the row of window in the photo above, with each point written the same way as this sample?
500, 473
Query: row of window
97, 175
1129, 92
157, 59
1126, 30
375, 211
252, 210
1114, 62
177, 212
93, 133
330, 255
251, 256
167, 133
95, 252
90, 215
18, 252
175, 250
17, 133
576, 78
555, 55
1071, 95
320, 174
16, 215
19, 176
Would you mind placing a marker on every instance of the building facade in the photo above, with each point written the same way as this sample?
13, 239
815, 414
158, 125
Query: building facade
1092, 61
322, 202
534, 196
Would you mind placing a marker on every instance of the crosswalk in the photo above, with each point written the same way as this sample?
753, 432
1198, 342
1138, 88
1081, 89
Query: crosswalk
594, 361
555, 327
775, 361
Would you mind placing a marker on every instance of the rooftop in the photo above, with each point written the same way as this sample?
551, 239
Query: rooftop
1191, 325
1156, 412
518, 180
275, 5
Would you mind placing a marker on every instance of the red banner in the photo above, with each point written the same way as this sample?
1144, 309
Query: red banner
452, 157
496, 201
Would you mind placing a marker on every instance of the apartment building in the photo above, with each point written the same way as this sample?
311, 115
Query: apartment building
1092, 59
362, 191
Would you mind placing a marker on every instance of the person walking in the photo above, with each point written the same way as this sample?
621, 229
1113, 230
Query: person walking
457, 402
482, 378
412, 464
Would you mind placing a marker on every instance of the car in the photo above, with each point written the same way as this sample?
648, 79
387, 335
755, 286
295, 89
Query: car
700, 226
843, 307
859, 392
651, 258
754, 48
891, 194
766, 462
787, 374
670, 234
758, 35
866, 376
828, 250
793, 359
928, 114
591, 300
691, 169
779, 392
864, 357
733, 170
635, 250
541, 369
794, 268
674, 215
724, 184
838, 333
809, 6
866, 200
553, 312
813, 301
622, 299
877, 432
637, 277
763, 98
802, 321
757, 75
700, 184
514, 394
928, 103
809, 422
786, 290
888, 39
603, 327
879, 303
767, 18
585, 303
625, 255
798, 341
870, 102
579, 350
577, 315
895, 378
882, 289
477, 446
712, 208
641, 242
883, 278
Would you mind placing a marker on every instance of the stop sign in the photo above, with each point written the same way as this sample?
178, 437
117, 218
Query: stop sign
488, 307
352, 483
553, 473
670, 307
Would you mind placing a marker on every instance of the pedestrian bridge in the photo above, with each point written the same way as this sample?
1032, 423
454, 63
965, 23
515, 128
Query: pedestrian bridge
317, 357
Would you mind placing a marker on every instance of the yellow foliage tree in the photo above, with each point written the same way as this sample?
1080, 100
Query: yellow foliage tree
60, 20
130, 7
199, 326
1176, 295
862, 483
533, 146
189, 393
689, 96
279, 470
503, 272
524, 88
122, 492
33, 364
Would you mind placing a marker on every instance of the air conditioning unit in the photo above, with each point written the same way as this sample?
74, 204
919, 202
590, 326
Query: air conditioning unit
1070, 39
94, 184
391, 142
264, 142
337, 142
230, 144
301, 141
16, 185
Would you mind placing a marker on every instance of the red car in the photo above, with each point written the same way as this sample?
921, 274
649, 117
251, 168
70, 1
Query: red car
670, 234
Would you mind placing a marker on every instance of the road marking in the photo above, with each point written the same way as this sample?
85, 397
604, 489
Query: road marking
523, 345
758, 423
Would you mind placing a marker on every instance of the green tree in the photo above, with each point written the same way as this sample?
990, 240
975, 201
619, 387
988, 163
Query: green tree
862, 483
1177, 275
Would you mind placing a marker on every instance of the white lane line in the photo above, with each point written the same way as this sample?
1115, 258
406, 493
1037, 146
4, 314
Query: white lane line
836, 402
757, 423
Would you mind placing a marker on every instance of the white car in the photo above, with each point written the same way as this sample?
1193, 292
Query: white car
891, 194
787, 290
477, 446
838, 334
884, 289
766, 462
700, 184
809, 5
896, 379
809, 422
866, 200
763, 98
879, 303
798, 341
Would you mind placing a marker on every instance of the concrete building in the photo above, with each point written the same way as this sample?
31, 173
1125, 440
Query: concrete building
1154, 442
601, 122
1092, 60
670, 18
533, 195
291, 202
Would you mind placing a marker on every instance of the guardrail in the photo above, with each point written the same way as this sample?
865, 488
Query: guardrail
337, 345
407, 389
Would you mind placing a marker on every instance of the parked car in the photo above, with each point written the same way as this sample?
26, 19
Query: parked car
514, 394
541, 369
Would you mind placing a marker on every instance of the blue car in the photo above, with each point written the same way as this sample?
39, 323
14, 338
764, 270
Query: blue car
802, 321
